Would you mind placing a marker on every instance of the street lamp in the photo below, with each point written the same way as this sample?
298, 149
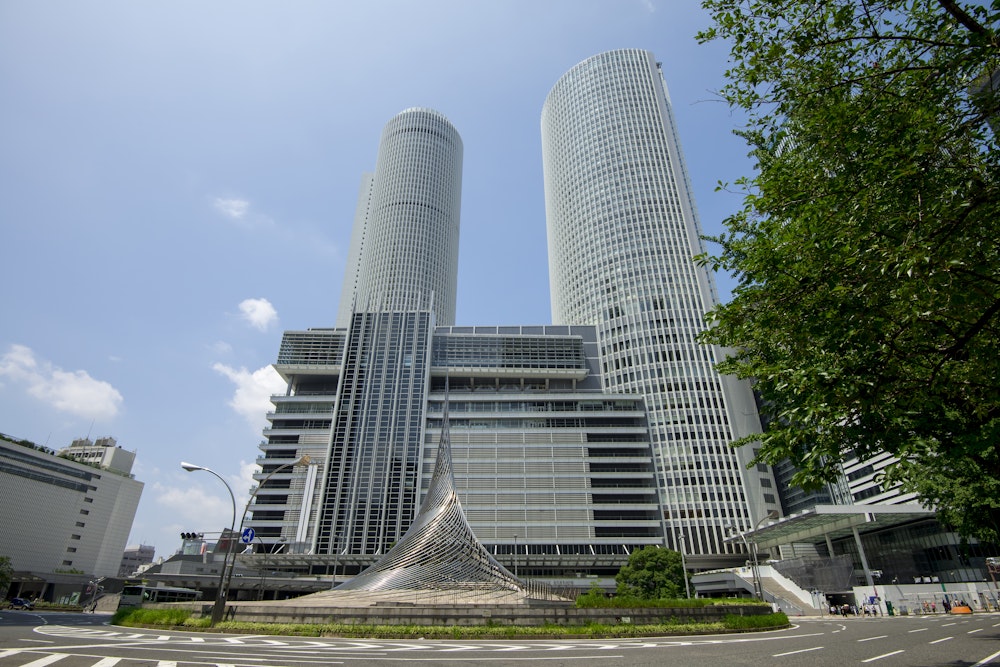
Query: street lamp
754, 565
220, 597
515, 557
336, 559
687, 586
304, 460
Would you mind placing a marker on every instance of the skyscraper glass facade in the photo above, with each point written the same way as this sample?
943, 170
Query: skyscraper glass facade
404, 245
623, 231
553, 474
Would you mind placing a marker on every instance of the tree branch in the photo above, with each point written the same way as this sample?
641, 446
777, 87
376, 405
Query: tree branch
959, 15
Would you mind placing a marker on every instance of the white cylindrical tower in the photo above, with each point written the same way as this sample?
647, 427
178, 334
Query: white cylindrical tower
622, 234
404, 246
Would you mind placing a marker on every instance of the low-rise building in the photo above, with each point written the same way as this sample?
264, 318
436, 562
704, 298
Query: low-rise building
63, 522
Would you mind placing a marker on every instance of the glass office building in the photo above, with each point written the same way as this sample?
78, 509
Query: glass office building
622, 233
404, 244
555, 476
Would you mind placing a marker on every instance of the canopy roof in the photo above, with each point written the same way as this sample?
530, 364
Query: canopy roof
834, 522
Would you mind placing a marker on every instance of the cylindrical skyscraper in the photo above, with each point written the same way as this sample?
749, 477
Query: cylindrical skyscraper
404, 246
622, 232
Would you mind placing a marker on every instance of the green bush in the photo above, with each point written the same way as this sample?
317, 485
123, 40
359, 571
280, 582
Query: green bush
140, 616
755, 622
668, 626
597, 600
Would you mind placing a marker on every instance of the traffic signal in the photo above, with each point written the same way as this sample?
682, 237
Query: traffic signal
192, 536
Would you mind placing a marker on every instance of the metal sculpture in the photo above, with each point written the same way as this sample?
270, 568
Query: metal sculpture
439, 552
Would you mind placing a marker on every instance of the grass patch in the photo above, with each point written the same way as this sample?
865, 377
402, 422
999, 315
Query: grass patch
181, 618
140, 617
759, 622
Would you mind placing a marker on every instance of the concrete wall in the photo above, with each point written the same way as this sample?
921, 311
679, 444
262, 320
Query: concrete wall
468, 615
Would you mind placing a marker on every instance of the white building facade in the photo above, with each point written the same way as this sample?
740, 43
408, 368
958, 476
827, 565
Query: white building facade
622, 234
61, 516
103, 452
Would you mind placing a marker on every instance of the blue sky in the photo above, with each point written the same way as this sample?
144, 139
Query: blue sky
178, 182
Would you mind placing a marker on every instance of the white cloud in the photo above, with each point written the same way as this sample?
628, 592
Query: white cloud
232, 208
252, 398
221, 347
258, 312
74, 392
242, 213
203, 506
195, 508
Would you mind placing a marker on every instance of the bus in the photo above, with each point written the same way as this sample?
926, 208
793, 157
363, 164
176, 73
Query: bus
134, 595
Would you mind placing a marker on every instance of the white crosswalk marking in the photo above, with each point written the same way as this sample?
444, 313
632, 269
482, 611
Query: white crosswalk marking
106, 662
47, 660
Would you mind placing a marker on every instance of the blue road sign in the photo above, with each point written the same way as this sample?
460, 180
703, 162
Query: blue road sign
247, 536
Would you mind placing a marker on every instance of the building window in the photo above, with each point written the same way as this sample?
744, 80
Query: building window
88, 500
67, 562
80, 524
71, 550
84, 511
74, 537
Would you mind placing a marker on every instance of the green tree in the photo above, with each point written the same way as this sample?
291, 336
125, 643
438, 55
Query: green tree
867, 251
652, 573
6, 574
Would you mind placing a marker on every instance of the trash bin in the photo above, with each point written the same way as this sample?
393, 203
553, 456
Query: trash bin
888, 608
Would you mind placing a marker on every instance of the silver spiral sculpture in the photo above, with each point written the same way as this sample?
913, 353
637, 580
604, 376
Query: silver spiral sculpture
439, 552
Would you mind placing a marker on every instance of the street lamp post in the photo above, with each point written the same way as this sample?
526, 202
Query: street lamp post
756, 562
758, 588
687, 586
219, 610
515, 557
753, 570
336, 559
304, 460
220, 597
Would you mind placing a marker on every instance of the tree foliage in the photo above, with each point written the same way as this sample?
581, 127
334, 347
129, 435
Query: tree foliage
652, 573
6, 574
867, 252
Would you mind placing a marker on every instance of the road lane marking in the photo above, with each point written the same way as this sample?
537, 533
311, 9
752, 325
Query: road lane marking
804, 650
106, 662
884, 655
868, 639
986, 659
918, 630
47, 660
938, 641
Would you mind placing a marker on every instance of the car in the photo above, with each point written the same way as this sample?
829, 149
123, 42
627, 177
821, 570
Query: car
21, 603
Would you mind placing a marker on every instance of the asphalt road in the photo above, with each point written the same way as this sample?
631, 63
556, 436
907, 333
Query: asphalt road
38, 639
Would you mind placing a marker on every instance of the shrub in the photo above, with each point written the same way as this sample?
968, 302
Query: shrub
755, 622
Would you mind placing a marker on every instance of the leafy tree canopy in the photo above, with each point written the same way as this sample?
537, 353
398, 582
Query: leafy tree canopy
652, 573
867, 251
6, 574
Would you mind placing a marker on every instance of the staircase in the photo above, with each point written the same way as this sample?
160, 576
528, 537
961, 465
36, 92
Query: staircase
789, 601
